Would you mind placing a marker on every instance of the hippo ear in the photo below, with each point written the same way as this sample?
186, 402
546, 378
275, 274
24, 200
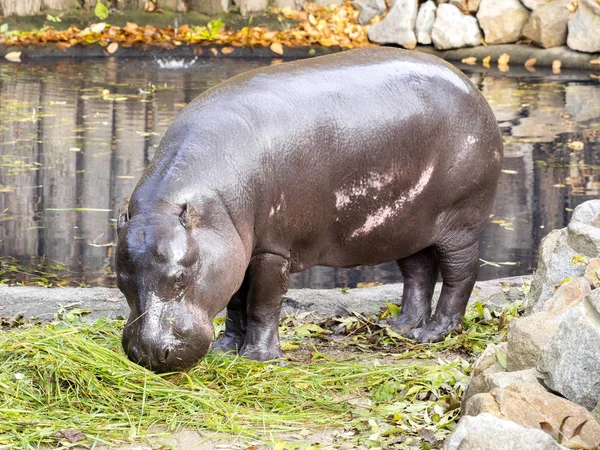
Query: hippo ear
123, 218
188, 217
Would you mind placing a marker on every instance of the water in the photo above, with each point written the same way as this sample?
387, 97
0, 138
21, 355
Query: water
78, 134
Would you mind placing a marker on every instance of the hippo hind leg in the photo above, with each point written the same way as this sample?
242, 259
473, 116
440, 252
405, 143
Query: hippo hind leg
458, 259
236, 322
420, 272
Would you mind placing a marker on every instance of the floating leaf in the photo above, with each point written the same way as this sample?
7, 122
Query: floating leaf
511, 172
13, 56
530, 62
503, 59
276, 48
486, 61
556, 64
575, 145
471, 60
112, 47
227, 50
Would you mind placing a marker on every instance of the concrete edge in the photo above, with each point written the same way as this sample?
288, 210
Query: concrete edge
519, 54
43, 303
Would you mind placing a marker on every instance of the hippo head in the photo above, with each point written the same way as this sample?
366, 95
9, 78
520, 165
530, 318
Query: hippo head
161, 270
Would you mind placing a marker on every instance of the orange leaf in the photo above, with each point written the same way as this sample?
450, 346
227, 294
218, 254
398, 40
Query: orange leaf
277, 48
227, 50
113, 47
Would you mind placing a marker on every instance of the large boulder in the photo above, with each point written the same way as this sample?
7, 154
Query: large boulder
502, 21
425, 20
533, 4
531, 406
453, 29
547, 25
554, 266
529, 335
487, 432
369, 9
583, 27
491, 361
398, 25
570, 362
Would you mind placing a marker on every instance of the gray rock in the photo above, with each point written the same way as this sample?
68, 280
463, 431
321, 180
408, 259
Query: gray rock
584, 227
505, 379
453, 29
486, 365
425, 20
503, 21
473, 5
397, 26
294, 4
547, 25
554, 266
208, 6
570, 362
533, 4
487, 432
369, 9
527, 338
584, 26
249, 6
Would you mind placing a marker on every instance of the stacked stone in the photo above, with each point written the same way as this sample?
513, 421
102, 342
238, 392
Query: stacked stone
546, 378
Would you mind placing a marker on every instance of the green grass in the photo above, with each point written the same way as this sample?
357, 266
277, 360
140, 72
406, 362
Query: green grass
72, 375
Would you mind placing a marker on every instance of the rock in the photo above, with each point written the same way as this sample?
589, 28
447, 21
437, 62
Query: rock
554, 266
250, 6
488, 363
425, 20
453, 29
584, 227
487, 432
505, 379
397, 26
473, 5
530, 406
570, 362
209, 7
503, 21
527, 338
583, 27
294, 4
369, 9
567, 296
460, 4
547, 25
533, 4
592, 272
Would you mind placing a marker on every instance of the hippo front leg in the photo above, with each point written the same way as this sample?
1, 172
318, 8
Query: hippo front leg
235, 323
268, 280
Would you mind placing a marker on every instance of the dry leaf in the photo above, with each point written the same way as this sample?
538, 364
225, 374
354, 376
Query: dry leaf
530, 62
503, 67
556, 66
277, 48
595, 61
594, 76
112, 47
503, 59
576, 145
13, 56
97, 27
486, 61
214, 51
470, 60
227, 50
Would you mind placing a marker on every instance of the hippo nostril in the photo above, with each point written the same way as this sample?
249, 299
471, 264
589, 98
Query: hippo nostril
163, 354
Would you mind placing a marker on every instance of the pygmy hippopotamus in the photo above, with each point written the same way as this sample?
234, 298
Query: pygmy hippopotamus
357, 158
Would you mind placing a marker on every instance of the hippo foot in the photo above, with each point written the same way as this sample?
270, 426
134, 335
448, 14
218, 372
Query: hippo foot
228, 343
258, 353
433, 331
404, 324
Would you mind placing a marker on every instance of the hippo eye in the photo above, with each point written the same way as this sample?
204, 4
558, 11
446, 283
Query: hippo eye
179, 279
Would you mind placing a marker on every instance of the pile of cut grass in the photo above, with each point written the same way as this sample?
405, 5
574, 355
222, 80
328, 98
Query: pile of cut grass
67, 377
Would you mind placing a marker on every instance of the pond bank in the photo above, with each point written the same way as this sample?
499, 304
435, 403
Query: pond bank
43, 303
519, 54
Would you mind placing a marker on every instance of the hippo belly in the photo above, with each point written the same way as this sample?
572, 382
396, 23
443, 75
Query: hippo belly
358, 158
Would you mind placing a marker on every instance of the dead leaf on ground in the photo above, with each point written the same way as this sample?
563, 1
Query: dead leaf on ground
71, 435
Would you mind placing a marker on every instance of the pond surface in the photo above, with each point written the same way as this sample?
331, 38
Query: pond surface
75, 136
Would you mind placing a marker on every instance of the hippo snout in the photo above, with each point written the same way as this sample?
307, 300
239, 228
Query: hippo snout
165, 347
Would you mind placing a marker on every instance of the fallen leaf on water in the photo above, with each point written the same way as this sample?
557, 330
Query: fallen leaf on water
556, 66
595, 61
113, 47
486, 61
593, 75
575, 145
530, 63
503, 59
511, 172
503, 67
13, 56
470, 60
277, 48
214, 51
276, 61
227, 50
559, 185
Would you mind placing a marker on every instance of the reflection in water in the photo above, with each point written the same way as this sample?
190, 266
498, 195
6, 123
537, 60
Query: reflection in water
75, 136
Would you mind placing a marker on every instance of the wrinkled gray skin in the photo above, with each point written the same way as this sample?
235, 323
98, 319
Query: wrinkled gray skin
357, 158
